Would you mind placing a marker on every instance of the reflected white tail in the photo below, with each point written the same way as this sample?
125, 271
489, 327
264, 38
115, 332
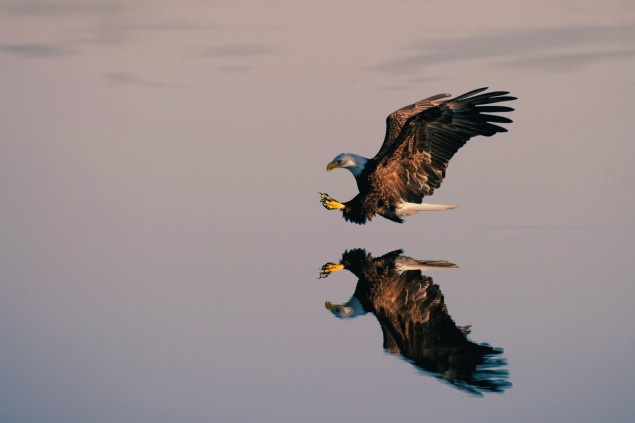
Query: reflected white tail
407, 209
404, 263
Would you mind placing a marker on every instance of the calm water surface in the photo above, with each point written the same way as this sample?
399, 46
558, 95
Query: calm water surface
162, 237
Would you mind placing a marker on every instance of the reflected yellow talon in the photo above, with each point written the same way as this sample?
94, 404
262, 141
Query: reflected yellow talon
329, 268
329, 203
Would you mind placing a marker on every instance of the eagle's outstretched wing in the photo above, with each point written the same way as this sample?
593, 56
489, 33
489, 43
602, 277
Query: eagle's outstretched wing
414, 163
396, 120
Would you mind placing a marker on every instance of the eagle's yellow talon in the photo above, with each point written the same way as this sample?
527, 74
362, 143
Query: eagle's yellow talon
333, 205
329, 203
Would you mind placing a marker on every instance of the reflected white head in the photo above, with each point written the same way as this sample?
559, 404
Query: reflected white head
351, 309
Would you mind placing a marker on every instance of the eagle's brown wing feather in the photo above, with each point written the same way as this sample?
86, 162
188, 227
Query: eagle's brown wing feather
413, 165
396, 120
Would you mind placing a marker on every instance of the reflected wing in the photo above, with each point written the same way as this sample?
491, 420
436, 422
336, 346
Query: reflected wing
425, 334
396, 120
414, 164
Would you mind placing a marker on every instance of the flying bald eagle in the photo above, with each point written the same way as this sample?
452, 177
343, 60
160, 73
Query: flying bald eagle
415, 322
420, 141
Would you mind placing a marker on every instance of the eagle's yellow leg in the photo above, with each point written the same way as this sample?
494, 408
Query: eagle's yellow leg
329, 203
329, 268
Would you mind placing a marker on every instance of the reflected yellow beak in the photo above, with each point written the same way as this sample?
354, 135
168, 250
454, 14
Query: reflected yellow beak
330, 306
331, 166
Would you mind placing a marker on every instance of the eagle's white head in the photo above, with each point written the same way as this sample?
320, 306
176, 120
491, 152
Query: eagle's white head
349, 161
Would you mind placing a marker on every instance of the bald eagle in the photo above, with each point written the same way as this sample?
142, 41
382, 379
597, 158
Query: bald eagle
420, 141
415, 322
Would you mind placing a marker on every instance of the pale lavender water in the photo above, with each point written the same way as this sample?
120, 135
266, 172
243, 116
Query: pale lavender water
161, 234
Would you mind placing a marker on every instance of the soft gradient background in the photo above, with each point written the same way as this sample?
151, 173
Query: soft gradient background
161, 235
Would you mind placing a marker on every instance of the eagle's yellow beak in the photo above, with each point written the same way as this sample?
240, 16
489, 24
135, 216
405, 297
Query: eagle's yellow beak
331, 166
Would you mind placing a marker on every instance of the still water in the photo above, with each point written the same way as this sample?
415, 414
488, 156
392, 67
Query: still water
162, 237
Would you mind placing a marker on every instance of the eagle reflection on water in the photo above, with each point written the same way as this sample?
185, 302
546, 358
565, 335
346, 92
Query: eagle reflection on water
415, 322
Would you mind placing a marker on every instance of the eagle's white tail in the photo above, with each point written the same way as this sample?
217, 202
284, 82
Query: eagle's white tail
407, 209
